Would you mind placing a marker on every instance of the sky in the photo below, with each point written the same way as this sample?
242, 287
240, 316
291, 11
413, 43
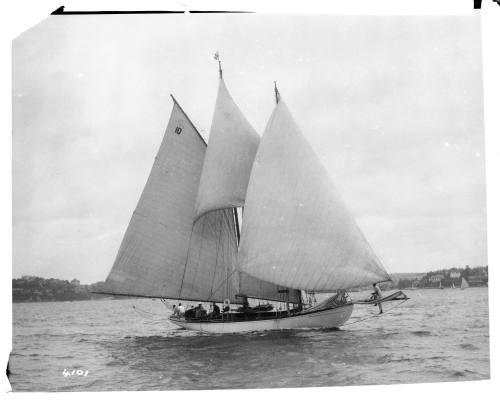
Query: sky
392, 106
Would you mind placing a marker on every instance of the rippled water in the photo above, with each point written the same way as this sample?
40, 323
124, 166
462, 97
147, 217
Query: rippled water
438, 335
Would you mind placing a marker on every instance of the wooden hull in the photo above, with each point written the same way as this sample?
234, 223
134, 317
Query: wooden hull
328, 318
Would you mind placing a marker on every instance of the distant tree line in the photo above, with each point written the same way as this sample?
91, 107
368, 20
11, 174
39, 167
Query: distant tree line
39, 289
447, 278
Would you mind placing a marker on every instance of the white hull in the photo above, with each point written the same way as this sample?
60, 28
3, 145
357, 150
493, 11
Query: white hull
329, 318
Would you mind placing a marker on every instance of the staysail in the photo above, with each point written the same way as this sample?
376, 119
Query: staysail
231, 150
230, 154
162, 253
297, 231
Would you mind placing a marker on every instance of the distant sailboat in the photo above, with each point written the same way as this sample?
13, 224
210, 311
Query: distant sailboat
465, 284
183, 241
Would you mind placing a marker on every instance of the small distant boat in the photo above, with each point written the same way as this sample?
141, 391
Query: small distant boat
465, 284
452, 285
440, 286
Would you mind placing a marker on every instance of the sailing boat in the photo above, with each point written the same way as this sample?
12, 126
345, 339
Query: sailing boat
465, 284
185, 242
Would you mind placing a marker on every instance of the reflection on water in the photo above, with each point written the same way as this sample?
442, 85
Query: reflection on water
439, 335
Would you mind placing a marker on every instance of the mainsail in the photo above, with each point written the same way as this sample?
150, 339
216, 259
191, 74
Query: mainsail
162, 253
230, 154
165, 252
297, 231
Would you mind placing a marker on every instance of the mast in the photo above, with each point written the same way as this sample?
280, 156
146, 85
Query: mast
299, 303
237, 225
298, 292
217, 58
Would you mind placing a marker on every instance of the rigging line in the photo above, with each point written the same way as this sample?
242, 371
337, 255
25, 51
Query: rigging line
217, 252
149, 315
206, 220
187, 259
230, 225
164, 302
222, 284
375, 315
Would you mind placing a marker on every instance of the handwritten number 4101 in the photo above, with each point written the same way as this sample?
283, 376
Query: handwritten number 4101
80, 373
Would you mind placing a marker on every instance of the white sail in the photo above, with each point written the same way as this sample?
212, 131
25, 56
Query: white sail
230, 154
231, 149
297, 231
162, 253
465, 284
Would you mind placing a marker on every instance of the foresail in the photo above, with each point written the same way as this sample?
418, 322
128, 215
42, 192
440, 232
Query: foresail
162, 253
230, 154
297, 231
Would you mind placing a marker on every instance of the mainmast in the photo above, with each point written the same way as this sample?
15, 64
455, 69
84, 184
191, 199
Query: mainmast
298, 292
236, 224
217, 58
235, 210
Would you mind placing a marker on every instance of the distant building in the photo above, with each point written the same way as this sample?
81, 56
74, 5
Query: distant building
436, 278
75, 282
455, 274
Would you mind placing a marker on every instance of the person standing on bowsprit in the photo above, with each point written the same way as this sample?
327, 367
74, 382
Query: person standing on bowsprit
377, 294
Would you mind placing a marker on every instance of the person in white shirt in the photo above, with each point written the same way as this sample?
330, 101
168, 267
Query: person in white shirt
181, 309
176, 311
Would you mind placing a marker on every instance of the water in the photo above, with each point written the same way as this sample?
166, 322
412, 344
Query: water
438, 335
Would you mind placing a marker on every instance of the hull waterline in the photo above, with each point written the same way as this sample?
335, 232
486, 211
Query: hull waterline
329, 318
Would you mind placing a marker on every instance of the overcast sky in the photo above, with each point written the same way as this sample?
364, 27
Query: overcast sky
392, 105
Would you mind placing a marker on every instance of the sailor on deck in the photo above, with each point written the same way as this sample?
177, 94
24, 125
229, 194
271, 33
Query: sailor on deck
176, 311
200, 312
215, 311
181, 310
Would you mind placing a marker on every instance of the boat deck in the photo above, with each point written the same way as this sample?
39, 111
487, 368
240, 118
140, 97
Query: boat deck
250, 315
